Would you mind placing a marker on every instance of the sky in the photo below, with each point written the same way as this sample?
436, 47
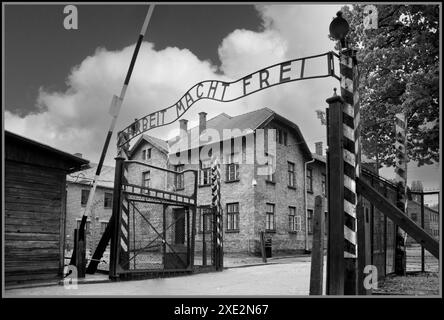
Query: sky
59, 83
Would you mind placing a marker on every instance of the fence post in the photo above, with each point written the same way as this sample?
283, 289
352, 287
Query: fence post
364, 246
203, 216
193, 219
335, 257
115, 235
401, 179
164, 229
81, 255
317, 251
422, 226
262, 243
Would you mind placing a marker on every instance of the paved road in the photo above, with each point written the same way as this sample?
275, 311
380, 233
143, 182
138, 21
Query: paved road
284, 277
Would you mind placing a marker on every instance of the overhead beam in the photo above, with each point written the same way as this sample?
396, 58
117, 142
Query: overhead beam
398, 217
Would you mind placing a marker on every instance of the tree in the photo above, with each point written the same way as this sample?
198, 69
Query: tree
399, 72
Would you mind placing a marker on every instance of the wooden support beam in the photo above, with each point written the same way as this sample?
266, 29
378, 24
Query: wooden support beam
398, 217
317, 251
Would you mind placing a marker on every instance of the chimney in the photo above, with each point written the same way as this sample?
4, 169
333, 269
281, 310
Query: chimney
78, 155
202, 122
183, 123
318, 147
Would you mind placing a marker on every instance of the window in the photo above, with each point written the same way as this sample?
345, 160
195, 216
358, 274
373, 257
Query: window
205, 217
270, 165
233, 216
310, 220
146, 154
108, 201
205, 173
87, 226
285, 138
291, 175
325, 222
324, 184
279, 136
232, 169
269, 226
178, 178
146, 179
84, 197
309, 180
414, 217
103, 225
294, 221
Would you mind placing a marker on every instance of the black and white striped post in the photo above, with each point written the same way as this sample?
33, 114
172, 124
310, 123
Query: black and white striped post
401, 180
124, 214
344, 162
217, 217
351, 158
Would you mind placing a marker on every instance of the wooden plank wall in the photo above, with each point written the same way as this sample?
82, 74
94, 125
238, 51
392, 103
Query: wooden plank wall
34, 222
382, 229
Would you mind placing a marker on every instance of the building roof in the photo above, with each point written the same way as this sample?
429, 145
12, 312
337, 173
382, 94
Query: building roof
319, 158
323, 158
14, 141
247, 122
158, 143
425, 206
86, 176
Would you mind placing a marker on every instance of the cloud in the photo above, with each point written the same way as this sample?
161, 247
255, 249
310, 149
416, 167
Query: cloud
289, 32
77, 120
245, 51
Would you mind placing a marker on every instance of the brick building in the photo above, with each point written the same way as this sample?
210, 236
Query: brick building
316, 184
431, 217
78, 186
251, 201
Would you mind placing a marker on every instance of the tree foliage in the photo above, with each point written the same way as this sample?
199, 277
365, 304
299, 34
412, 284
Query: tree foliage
399, 72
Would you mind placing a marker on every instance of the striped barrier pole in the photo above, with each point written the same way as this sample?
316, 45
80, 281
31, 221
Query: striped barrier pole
116, 104
401, 180
216, 203
114, 111
351, 161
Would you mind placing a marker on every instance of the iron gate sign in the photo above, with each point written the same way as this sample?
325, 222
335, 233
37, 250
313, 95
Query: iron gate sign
288, 71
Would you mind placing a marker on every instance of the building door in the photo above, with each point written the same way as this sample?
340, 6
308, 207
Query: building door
179, 230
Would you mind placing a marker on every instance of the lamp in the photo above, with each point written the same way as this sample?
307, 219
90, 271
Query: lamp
339, 28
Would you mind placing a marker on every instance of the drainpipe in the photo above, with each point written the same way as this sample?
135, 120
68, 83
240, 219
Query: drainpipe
305, 204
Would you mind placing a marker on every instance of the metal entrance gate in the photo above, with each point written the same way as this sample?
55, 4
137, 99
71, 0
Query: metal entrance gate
158, 239
156, 213
206, 238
